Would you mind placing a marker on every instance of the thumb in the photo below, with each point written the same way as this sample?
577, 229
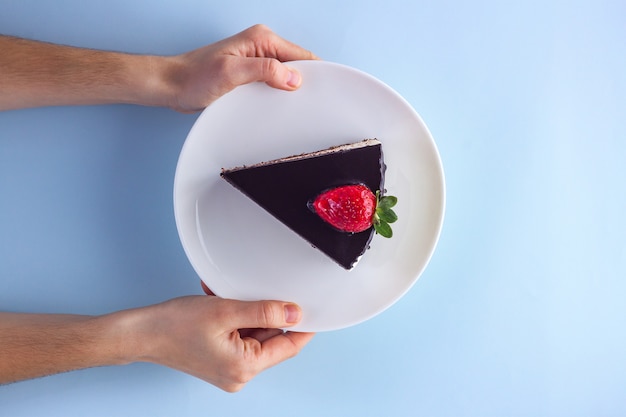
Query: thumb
265, 314
269, 70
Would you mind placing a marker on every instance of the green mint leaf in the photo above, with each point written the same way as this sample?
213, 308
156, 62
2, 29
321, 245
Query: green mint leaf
388, 215
383, 228
387, 202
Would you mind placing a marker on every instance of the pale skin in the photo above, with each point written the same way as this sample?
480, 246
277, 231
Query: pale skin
40, 74
224, 342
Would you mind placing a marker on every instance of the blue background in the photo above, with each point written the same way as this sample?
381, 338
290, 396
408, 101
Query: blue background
521, 311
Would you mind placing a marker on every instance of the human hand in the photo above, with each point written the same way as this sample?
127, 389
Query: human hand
34, 74
256, 54
224, 342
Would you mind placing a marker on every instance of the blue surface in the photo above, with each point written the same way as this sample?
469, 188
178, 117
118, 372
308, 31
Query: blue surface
521, 311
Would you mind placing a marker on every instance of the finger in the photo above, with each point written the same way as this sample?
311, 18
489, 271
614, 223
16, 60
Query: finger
269, 70
261, 314
260, 334
206, 289
266, 43
282, 347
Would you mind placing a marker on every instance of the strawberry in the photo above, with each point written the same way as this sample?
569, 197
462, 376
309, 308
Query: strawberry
355, 208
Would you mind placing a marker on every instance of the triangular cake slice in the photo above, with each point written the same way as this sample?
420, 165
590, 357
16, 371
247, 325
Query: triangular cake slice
285, 187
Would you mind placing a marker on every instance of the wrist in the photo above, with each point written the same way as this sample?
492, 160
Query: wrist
121, 336
135, 335
150, 80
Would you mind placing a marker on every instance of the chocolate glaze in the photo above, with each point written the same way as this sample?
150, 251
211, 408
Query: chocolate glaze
284, 189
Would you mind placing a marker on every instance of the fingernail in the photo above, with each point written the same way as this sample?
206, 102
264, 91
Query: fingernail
292, 313
294, 78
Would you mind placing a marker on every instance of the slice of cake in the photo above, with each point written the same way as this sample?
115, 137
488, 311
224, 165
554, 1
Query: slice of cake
302, 191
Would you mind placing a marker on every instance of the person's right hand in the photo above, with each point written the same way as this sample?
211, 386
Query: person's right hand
224, 342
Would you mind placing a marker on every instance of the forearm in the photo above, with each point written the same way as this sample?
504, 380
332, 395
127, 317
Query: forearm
34, 345
36, 74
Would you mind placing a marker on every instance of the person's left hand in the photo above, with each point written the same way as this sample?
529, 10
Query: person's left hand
203, 75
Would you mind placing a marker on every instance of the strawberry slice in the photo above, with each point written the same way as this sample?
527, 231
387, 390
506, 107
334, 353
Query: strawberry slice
355, 208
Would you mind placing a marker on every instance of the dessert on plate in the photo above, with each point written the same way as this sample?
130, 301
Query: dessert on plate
333, 198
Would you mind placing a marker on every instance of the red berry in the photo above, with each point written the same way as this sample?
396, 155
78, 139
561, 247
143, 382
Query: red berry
349, 208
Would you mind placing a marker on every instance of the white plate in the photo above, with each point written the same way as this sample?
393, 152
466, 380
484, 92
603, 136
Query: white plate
242, 252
